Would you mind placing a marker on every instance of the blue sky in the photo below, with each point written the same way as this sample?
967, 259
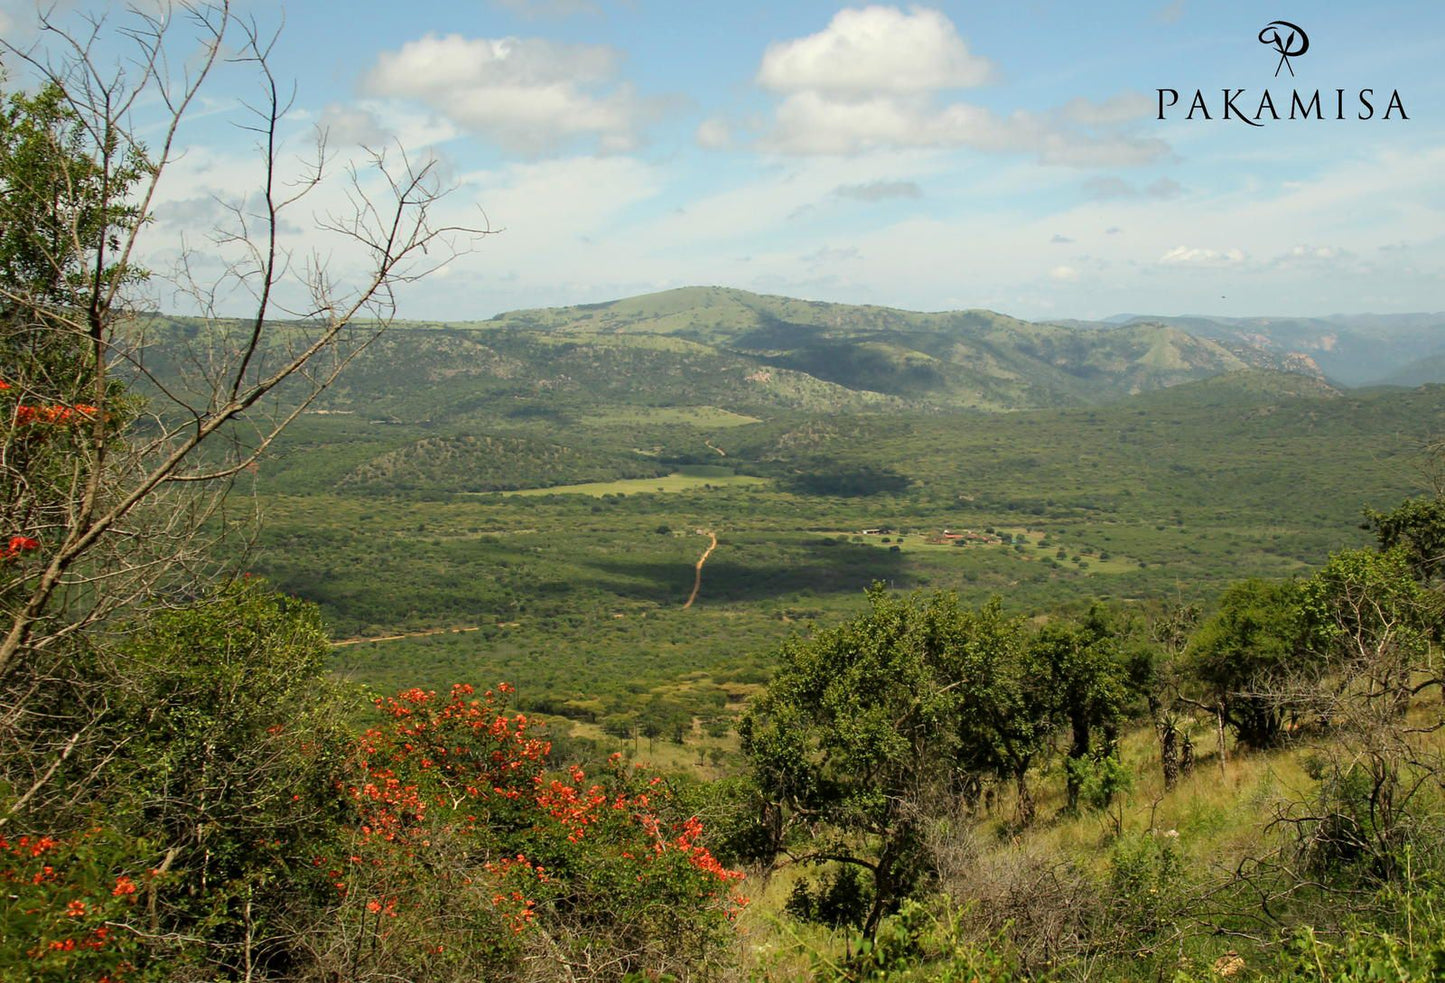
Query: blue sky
937, 156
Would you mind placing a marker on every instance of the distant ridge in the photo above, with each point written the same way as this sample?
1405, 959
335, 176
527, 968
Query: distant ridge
1352, 349
736, 354
977, 359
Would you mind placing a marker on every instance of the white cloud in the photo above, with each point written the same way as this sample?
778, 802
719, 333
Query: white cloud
1187, 256
876, 49
874, 77
526, 94
1064, 274
1314, 252
815, 123
1125, 107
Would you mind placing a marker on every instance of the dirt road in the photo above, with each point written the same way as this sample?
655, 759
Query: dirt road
697, 579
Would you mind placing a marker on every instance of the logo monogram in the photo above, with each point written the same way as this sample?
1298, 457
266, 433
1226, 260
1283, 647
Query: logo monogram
1296, 43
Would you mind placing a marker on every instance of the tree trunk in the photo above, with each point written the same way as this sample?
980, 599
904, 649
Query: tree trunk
1026, 797
1169, 751
1078, 754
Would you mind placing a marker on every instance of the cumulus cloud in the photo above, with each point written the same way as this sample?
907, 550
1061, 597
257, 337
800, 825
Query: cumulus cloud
873, 50
526, 94
879, 190
1315, 252
203, 211
1125, 107
354, 126
1064, 274
1304, 256
875, 79
815, 123
1187, 256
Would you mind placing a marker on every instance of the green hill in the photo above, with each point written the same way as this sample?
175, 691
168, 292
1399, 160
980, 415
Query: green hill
747, 351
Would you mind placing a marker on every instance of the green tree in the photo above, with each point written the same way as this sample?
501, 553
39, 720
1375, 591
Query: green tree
1250, 654
851, 732
866, 726
1417, 526
1088, 681
125, 505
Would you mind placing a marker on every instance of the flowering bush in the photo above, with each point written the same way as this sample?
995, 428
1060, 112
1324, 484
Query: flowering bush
470, 851
61, 908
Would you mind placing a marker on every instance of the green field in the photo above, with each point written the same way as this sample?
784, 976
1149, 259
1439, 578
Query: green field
665, 485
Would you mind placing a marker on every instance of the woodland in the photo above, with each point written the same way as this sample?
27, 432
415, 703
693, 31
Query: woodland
696, 636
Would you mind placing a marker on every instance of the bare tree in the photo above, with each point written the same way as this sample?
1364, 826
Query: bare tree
302, 326
117, 445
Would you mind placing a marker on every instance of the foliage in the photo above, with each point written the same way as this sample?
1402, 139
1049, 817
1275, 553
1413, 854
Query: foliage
202, 777
465, 844
866, 725
1406, 945
1250, 655
1417, 525
1088, 679
63, 905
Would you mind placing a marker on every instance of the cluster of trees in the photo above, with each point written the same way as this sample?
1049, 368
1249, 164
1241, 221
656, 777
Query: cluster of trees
876, 734
868, 728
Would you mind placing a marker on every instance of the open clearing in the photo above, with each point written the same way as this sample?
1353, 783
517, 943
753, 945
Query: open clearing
676, 482
692, 416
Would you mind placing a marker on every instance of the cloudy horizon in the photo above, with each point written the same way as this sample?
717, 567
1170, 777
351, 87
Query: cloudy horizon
925, 157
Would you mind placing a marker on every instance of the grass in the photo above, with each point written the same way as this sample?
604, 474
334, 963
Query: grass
666, 485
702, 417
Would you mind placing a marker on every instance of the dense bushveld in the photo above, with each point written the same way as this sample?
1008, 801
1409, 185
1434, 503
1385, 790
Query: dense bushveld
579, 591
1079, 692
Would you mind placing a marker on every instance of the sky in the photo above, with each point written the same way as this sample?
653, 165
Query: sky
928, 157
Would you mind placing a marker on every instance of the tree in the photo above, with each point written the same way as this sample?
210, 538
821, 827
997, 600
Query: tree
112, 475
1369, 623
1417, 526
1249, 656
109, 490
867, 726
1087, 680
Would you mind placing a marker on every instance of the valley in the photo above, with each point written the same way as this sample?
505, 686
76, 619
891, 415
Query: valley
539, 480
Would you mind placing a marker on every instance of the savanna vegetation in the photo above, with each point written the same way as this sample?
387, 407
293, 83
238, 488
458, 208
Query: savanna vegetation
821, 672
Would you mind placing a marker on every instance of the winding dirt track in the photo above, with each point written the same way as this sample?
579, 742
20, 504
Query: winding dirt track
697, 579
396, 638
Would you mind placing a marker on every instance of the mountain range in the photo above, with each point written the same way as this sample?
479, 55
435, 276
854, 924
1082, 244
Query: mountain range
756, 355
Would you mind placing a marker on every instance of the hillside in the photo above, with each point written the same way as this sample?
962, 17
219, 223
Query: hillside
1351, 349
955, 359
755, 355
